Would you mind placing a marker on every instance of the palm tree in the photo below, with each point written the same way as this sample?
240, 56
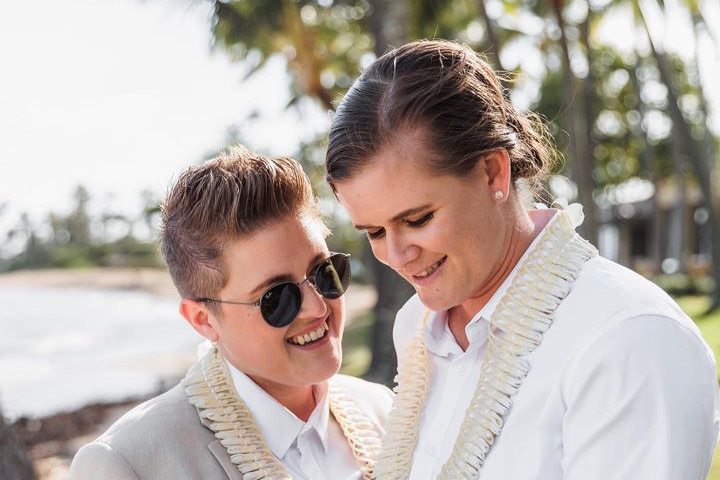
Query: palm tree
577, 126
693, 145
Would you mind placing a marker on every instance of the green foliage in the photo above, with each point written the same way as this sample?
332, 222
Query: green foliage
696, 307
323, 41
356, 346
70, 242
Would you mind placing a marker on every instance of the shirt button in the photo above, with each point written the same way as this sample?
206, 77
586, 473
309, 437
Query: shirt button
461, 371
431, 450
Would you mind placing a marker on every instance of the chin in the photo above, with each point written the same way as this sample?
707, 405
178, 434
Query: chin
434, 303
334, 366
322, 374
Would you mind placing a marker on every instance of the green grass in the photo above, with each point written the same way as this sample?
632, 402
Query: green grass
356, 346
695, 306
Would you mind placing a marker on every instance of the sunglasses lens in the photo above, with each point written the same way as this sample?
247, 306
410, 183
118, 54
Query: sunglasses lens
281, 304
333, 276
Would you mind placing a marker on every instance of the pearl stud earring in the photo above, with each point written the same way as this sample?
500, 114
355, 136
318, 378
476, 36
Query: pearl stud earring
499, 194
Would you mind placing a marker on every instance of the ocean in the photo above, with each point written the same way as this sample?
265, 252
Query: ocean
64, 348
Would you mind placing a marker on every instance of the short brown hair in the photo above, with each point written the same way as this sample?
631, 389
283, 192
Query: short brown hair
225, 199
450, 92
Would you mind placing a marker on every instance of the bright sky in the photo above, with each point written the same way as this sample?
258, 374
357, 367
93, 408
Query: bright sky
122, 95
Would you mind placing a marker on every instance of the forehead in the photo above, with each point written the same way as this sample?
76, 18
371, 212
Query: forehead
394, 179
284, 246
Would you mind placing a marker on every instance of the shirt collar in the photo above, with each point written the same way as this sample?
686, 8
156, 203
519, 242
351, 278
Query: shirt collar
320, 417
439, 339
279, 427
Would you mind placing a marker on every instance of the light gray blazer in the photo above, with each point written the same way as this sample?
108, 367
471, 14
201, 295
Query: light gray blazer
165, 439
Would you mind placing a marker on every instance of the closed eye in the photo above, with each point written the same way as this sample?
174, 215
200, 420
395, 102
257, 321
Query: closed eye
375, 234
420, 221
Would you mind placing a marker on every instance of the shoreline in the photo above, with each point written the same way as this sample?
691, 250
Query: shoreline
152, 280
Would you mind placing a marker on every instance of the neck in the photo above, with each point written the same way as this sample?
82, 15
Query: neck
300, 400
519, 238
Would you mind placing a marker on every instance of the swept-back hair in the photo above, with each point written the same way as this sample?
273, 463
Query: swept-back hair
450, 92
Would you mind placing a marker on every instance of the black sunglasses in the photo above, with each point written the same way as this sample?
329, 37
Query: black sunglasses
280, 304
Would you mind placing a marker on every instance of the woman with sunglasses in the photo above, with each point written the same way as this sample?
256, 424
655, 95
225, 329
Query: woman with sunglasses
245, 246
524, 355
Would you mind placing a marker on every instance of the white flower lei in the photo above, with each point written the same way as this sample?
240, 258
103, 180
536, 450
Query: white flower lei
524, 313
210, 390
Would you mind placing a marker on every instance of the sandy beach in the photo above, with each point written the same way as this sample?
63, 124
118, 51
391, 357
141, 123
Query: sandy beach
53, 440
151, 280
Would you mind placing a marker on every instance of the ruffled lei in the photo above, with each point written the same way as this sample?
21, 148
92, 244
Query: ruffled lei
210, 389
523, 315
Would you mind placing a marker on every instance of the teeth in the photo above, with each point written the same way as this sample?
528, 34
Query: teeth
430, 270
310, 336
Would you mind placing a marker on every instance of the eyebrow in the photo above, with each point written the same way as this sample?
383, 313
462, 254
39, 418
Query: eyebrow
284, 277
405, 213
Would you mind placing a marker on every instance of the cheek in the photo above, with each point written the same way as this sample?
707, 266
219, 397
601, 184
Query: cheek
238, 330
379, 249
338, 309
337, 312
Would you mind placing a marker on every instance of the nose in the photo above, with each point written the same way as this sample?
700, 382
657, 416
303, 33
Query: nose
312, 304
398, 251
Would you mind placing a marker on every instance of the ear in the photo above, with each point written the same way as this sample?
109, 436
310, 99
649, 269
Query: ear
497, 170
199, 318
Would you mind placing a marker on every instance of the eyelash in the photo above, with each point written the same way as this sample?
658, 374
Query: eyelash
420, 221
374, 235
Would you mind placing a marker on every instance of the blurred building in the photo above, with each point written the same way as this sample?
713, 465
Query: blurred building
655, 228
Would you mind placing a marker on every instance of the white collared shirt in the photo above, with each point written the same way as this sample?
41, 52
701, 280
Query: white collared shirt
312, 450
622, 387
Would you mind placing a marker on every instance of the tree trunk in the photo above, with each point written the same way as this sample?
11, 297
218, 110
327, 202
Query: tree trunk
710, 146
589, 83
388, 24
577, 127
14, 462
493, 44
649, 166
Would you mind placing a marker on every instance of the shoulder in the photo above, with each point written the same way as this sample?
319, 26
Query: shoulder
645, 373
654, 360
99, 460
122, 448
371, 398
606, 295
608, 285
159, 414
615, 321
163, 438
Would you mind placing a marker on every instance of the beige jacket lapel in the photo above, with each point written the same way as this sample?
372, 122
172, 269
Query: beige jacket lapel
220, 453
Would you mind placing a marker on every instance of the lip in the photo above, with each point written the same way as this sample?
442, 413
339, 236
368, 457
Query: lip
422, 281
311, 328
314, 345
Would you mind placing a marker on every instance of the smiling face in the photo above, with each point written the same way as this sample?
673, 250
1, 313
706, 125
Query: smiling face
449, 236
276, 358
